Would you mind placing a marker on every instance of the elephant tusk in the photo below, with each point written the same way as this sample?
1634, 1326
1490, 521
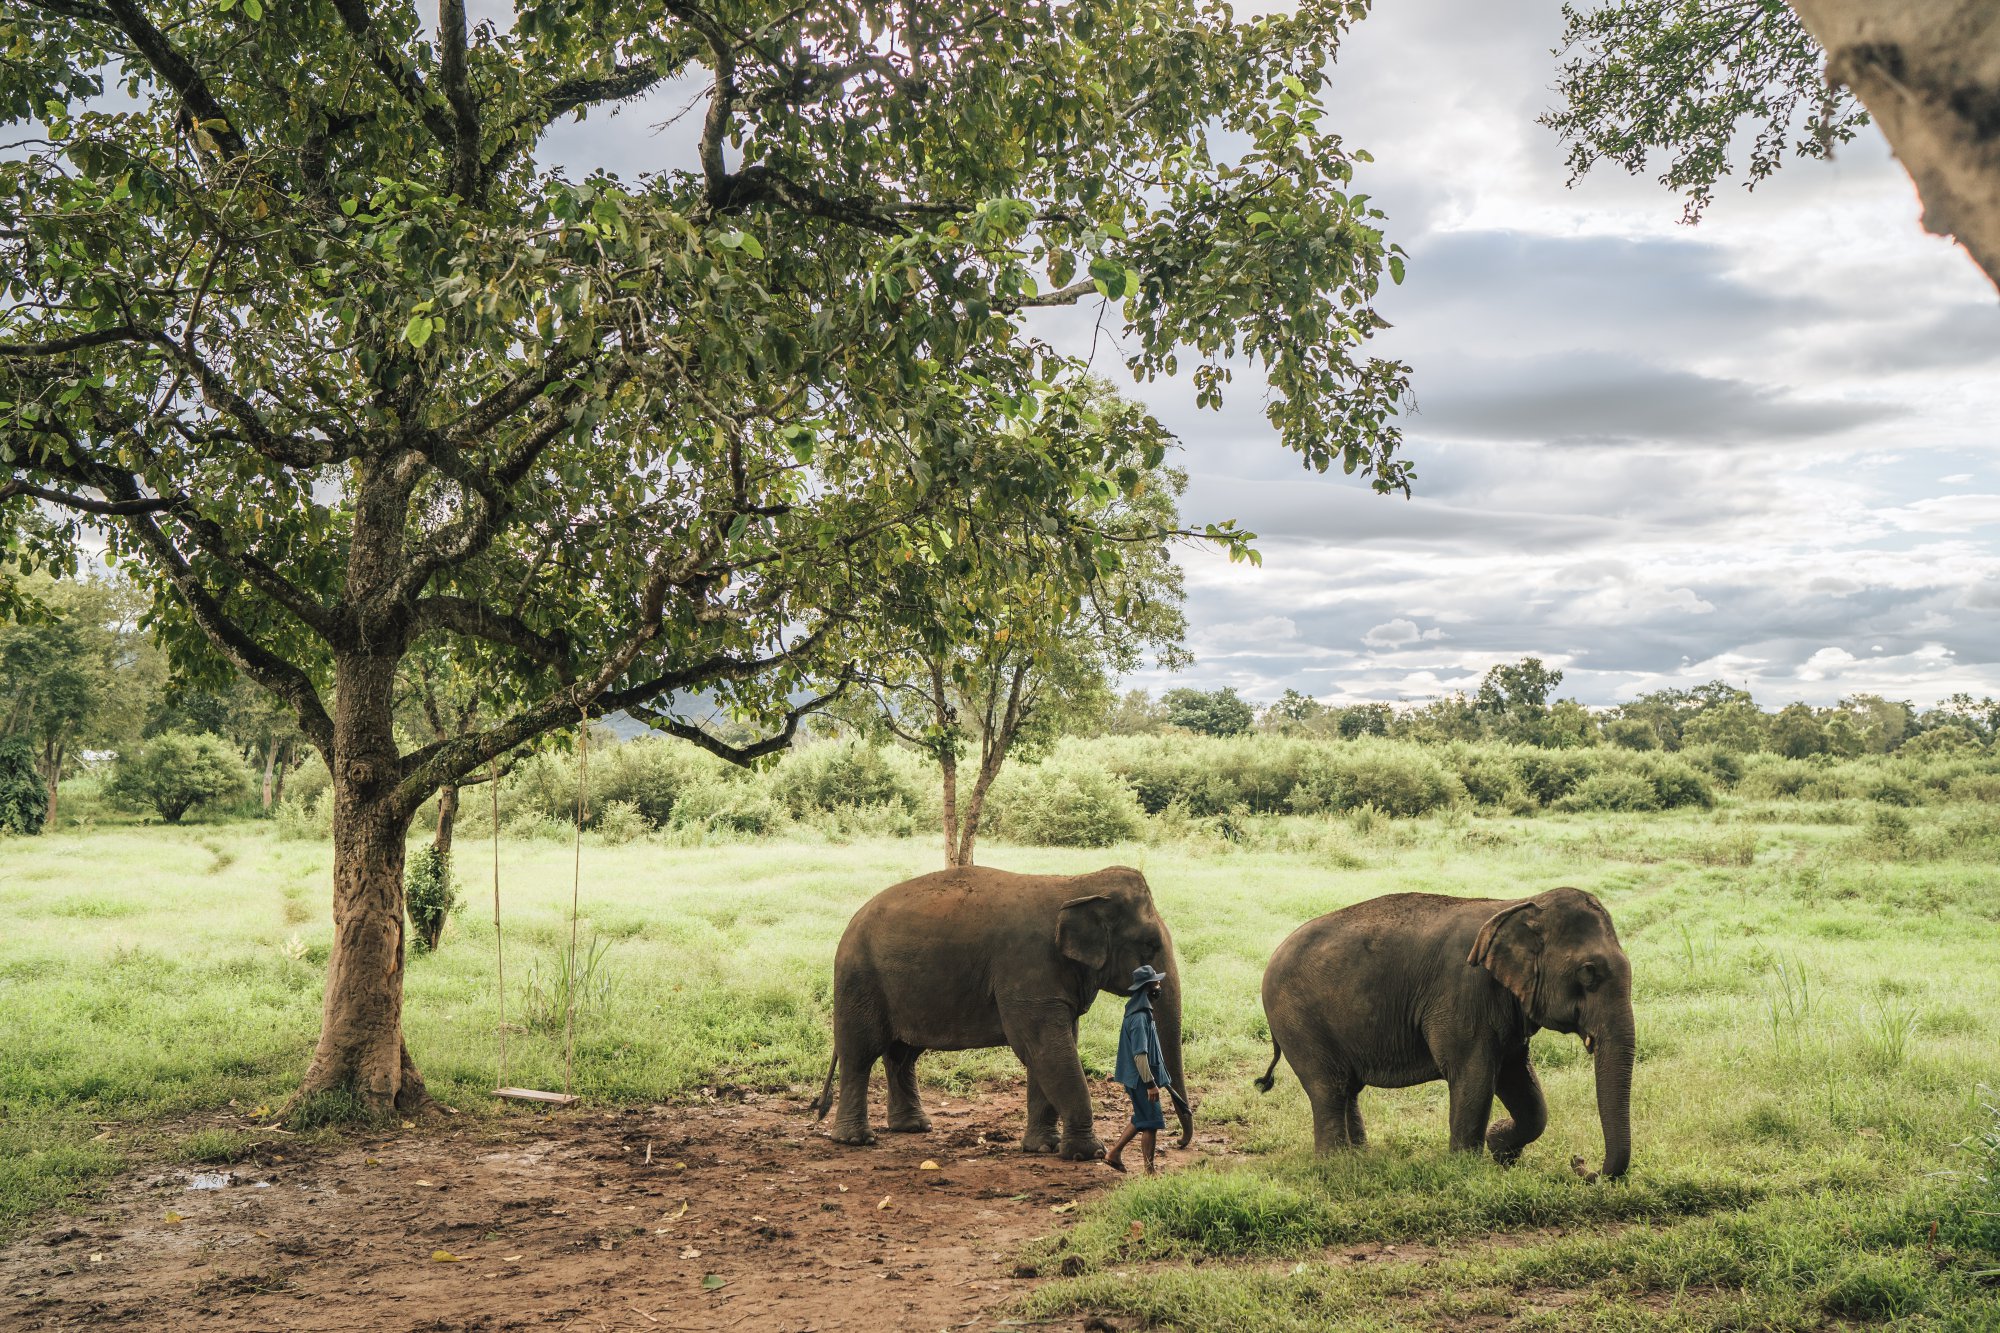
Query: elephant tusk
1589, 1044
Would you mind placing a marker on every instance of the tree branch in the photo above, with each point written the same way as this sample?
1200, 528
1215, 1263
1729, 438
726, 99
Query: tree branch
84, 504
409, 84
285, 679
741, 754
202, 106
462, 615
465, 174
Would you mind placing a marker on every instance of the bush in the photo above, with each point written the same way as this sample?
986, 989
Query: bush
1394, 779
305, 821
833, 775
719, 805
620, 822
1889, 789
1063, 805
178, 772
24, 798
1676, 784
1550, 775
1621, 791
428, 894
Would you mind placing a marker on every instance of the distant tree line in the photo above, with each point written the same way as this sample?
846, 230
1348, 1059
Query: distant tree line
1514, 703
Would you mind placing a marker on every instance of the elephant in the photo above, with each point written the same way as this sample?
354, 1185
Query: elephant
1413, 987
973, 957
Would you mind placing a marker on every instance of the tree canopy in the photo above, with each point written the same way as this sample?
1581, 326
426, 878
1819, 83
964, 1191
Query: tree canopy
291, 310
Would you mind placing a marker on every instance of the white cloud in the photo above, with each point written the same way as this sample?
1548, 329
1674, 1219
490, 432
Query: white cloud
1399, 633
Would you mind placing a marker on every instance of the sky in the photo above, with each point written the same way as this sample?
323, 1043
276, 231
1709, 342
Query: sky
1761, 449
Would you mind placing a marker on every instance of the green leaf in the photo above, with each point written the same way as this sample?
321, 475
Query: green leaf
418, 331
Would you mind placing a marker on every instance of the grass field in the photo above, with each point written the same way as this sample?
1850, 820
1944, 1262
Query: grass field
1817, 1002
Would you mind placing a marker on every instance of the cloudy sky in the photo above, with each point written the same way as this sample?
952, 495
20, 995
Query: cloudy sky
1760, 449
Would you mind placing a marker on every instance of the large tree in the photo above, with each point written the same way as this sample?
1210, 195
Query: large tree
1682, 80
290, 309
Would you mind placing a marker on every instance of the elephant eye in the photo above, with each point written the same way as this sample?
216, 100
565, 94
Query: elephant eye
1588, 976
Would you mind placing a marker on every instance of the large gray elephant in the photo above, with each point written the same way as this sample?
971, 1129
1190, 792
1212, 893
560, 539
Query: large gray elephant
973, 957
1418, 986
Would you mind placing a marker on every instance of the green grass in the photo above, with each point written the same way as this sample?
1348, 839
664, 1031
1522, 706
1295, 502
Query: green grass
1817, 1001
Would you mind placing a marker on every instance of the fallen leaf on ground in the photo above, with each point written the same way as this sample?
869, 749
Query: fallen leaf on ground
690, 1253
99, 1138
409, 1124
1138, 1230
884, 1203
372, 1161
928, 1166
511, 1259
173, 1217
713, 1282
841, 1188
97, 1258
1063, 1207
445, 1257
427, 1184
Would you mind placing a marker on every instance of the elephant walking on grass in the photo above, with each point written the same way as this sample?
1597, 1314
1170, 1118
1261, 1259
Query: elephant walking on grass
1418, 986
972, 957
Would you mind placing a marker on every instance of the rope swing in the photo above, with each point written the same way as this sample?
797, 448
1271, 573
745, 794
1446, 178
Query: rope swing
565, 1097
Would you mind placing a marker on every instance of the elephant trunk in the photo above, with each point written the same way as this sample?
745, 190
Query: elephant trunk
1615, 1053
1167, 1015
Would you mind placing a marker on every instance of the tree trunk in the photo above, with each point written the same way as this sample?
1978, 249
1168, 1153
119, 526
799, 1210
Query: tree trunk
447, 816
975, 805
361, 1052
54, 756
948, 765
1929, 73
270, 764
278, 790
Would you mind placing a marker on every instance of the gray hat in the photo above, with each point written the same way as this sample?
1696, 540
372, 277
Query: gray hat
1144, 976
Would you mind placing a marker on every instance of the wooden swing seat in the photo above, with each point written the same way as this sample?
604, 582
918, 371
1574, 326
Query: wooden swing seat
536, 1095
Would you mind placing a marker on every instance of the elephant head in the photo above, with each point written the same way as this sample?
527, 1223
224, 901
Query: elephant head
1111, 933
1559, 955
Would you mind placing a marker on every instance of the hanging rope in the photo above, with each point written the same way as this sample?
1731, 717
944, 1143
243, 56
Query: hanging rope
499, 958
576, 891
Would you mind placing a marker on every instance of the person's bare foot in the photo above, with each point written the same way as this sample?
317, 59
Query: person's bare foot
1116, 1162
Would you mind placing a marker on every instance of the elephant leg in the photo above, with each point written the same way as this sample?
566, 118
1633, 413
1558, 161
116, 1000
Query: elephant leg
1528, 1110
1043, 1127
1046, 1043
857, 1054
1335, 1098
1471, 1103
906, 1108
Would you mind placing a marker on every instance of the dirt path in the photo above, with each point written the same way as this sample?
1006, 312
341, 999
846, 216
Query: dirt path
740, 1220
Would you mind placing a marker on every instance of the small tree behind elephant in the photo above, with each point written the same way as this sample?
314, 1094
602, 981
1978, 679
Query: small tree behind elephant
973, 957
1414, 987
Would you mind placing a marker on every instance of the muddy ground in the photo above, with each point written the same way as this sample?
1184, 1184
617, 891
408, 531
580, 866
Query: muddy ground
730, 1214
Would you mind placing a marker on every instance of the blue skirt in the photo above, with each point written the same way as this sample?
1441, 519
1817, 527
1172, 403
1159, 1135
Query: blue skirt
1146, 1113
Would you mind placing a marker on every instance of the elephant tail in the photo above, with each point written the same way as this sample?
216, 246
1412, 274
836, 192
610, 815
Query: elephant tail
824, 1102
1269, 1081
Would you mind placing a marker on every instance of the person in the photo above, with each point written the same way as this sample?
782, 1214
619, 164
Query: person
1142, 1068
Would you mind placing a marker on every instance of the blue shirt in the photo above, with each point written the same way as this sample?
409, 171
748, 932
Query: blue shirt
1138, 1036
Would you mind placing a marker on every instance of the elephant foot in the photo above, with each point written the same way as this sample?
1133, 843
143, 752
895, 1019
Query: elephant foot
1039, 1140
1087, 1148
1500, 1142
856, 1138
920, 1124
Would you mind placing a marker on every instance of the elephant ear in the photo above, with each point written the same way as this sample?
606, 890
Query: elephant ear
1082, 932
1510, 947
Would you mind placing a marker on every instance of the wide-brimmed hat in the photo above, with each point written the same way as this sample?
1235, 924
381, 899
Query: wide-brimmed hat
1144, 976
